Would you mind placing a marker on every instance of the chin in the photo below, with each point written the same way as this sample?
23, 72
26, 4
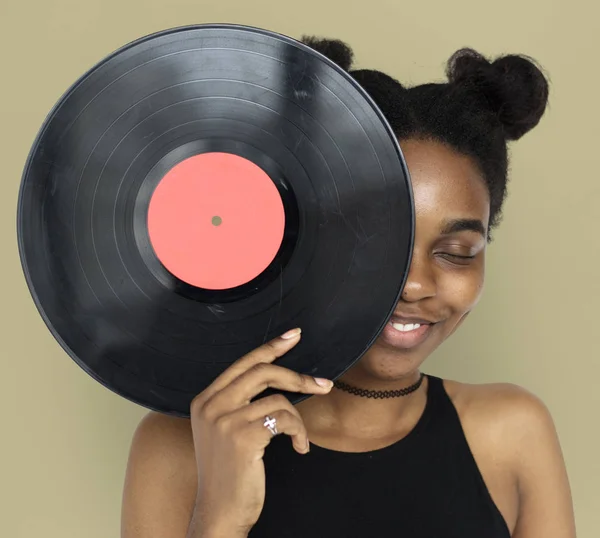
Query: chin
385, 364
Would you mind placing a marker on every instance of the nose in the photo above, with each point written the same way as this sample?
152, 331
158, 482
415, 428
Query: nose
420, 283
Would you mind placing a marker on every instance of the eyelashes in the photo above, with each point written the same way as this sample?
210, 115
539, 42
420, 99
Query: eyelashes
456, 258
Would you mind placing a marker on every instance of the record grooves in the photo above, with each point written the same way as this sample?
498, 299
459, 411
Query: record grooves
304, 213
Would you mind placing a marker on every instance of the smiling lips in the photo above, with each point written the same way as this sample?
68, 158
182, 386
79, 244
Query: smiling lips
404, 328
406, 333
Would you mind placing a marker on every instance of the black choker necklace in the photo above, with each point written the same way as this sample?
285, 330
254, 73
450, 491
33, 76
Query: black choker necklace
378, 394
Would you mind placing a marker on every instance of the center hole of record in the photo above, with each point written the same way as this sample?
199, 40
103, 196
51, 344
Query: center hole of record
216, 221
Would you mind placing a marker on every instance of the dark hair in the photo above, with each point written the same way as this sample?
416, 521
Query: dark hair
483, 105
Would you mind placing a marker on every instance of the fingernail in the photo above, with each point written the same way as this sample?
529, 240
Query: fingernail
325, 383
307, 445
291, 334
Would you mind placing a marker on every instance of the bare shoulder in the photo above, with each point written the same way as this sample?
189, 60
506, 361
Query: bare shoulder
171, 436
161, 480
504, 417
514, 440
499, 406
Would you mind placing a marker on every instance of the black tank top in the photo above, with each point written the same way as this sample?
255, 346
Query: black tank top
427, 485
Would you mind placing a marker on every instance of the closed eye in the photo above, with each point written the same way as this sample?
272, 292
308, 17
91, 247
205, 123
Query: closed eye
446, 255
455, 258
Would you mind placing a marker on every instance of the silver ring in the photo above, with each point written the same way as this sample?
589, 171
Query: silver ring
271, 424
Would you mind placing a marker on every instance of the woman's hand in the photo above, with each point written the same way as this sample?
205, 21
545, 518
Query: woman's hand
230, 436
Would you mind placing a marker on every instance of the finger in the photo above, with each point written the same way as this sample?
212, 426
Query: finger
268, 352
260, 377
266, 406
286, 423
270, 406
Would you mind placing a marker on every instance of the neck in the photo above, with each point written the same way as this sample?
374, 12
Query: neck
343, 414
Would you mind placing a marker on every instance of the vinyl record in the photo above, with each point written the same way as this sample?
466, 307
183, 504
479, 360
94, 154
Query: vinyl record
202, 190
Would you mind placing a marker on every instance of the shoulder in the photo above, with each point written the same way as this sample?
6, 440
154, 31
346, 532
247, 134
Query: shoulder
512, 434
505, 401
505, 410
161, 478
160, 427
514, 441
163, 440
513, 428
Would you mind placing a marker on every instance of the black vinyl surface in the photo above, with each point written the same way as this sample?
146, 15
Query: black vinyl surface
95, 279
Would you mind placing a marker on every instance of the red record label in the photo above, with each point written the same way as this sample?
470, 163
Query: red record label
216, 221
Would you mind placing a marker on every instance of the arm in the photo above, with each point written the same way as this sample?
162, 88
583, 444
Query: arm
161, 480
223, 443
545, 505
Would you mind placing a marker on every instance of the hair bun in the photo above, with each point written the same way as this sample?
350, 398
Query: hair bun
514, 86
334, 49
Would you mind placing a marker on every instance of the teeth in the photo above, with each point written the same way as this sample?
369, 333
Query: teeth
406, 328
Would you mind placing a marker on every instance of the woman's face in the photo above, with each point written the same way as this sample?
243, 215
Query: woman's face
446, 275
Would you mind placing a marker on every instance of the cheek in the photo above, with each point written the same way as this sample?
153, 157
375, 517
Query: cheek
461, 289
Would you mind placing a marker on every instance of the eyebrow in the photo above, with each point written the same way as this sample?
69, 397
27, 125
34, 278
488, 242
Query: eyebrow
461, 225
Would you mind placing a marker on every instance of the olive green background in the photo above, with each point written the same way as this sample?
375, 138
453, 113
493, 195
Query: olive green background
65, 438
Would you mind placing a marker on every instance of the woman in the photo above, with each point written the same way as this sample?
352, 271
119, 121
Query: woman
392, 452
